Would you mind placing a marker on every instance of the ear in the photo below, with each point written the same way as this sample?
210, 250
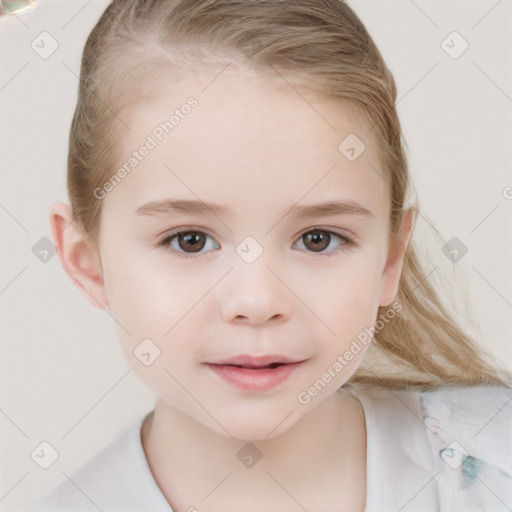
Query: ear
396, 255
78, 256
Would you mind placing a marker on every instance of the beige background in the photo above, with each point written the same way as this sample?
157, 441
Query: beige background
64, 379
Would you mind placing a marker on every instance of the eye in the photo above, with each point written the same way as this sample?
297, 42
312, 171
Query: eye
185, 241
319, 239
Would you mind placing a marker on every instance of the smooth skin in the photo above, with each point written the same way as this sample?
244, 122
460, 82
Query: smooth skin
258, 149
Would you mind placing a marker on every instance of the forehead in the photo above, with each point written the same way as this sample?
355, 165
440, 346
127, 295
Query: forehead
249, 137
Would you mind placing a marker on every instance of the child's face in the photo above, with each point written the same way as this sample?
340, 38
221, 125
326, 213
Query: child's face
257, 151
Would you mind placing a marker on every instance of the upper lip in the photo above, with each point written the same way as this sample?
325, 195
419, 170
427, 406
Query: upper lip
257, 361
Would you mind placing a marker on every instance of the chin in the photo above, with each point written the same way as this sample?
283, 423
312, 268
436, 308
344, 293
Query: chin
257, 424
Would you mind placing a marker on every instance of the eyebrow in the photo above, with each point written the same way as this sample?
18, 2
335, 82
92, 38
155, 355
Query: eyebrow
177, 206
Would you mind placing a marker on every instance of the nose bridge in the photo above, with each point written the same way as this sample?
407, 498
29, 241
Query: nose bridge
256, 294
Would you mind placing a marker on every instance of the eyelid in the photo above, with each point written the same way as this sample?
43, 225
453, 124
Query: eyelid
348, 242
183, 229
163, 239
342, 232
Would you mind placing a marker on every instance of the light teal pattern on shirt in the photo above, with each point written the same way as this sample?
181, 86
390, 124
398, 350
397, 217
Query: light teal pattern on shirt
470, 469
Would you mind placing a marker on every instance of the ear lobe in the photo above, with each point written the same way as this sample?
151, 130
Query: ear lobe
77, 255
396, 255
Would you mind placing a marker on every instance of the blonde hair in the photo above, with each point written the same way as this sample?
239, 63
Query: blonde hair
327, 48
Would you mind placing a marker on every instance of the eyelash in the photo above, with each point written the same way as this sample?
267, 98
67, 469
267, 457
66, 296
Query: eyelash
168, 237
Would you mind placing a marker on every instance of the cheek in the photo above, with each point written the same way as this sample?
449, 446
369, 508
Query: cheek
348, 296
155, 323
150, 303
141, 288
164, 301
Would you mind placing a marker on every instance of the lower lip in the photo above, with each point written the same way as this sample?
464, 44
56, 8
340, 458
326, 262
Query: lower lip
254, 380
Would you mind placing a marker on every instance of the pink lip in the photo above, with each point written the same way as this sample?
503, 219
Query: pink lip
253, 373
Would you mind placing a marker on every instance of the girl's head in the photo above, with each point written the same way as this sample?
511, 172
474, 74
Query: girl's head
262, 109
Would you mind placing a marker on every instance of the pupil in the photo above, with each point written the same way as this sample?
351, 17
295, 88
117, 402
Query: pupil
319, 239
193, 240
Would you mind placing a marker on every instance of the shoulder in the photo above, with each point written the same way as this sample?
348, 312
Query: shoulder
469, 424
468, 412
479, 417
473, 411
468, 431
115, 479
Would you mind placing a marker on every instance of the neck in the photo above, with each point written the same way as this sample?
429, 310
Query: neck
322, 456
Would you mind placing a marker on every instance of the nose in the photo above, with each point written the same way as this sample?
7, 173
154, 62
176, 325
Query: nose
255, 294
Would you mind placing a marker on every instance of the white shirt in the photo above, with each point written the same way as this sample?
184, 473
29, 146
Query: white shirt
448, 450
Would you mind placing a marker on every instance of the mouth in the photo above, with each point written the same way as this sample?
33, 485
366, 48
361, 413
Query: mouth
271, 366
255, 373
257, 362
